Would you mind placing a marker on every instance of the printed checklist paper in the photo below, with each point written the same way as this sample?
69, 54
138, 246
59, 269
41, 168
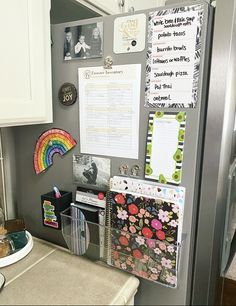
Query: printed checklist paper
109, 110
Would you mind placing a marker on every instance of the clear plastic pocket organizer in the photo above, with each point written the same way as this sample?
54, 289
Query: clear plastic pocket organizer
151, 259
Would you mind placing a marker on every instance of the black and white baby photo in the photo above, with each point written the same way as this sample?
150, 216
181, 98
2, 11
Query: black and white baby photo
91, 170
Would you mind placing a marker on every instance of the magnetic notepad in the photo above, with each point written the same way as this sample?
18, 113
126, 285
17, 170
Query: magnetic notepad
165, 144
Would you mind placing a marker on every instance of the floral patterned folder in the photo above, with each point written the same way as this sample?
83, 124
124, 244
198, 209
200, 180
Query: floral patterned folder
144, 236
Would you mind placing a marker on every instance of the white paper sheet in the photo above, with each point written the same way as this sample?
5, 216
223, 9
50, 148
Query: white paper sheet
109, 110
164, 144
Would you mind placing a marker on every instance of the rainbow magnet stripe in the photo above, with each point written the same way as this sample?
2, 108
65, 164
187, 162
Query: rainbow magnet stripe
51, 142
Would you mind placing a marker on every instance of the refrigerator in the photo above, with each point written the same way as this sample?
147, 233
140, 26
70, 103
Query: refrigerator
209, 150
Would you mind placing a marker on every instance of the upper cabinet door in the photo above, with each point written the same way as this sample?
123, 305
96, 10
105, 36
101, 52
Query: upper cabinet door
25, 62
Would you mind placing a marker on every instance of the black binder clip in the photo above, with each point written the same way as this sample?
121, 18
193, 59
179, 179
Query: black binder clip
108, 62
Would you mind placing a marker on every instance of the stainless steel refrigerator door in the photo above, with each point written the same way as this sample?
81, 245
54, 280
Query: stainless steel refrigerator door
67, 118
230, 218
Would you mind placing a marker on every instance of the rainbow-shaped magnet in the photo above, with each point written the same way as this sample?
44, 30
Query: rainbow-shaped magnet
51, 142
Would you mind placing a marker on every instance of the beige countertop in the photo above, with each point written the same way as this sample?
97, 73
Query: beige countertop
50, 275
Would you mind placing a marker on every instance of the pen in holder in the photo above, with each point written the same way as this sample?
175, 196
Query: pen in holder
52, 205
57, 192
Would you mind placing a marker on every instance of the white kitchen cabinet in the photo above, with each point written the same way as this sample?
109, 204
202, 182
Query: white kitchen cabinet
25, 62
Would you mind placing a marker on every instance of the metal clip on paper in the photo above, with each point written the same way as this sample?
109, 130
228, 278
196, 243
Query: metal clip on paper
108, 62
135, 170
123, 169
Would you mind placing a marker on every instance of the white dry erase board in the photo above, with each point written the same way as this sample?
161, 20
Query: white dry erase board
173, 56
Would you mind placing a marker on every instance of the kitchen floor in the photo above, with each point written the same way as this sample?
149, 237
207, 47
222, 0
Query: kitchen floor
228, 283
229, 292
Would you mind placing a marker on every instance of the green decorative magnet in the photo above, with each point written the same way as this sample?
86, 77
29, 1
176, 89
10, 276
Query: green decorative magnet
180, 117
177, 176
149, 149
150, 127
148, 170
159, 114
162, 179
178, 156
181, 135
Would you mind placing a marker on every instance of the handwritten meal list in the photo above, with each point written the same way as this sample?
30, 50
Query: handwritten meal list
173, 57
